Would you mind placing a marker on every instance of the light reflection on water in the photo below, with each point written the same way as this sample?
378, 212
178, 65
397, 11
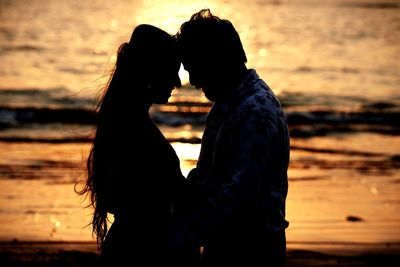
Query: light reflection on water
297, 46
320, 197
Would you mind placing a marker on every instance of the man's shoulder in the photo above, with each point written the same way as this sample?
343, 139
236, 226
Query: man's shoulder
259, 96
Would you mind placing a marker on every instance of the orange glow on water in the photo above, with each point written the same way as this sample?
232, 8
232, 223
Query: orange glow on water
184, 109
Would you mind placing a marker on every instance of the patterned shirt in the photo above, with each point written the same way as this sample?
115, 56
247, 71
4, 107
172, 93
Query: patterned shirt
243, 161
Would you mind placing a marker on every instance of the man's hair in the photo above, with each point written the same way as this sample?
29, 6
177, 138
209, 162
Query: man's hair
209, 35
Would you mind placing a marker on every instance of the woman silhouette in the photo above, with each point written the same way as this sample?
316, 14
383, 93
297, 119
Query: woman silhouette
133, 172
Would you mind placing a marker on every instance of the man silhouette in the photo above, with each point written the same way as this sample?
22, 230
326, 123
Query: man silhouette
242, 168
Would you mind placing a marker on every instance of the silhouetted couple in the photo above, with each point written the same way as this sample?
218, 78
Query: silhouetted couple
230, 210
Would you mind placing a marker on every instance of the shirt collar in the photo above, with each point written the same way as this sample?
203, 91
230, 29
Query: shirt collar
248, 81
236, 95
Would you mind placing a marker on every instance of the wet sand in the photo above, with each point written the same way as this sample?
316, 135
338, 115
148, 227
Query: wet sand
84, 254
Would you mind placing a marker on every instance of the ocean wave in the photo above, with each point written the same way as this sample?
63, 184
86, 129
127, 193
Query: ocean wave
82, 139
307, 114
308, 69
7, 33
373, 5
343, 152
302, 123
381, 166
59, 97
41, 169
21, 48
16, 116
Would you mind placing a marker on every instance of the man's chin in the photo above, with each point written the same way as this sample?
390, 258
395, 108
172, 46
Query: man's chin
209, 96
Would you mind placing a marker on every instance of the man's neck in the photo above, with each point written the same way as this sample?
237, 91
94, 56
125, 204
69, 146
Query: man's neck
240, 75
233, 80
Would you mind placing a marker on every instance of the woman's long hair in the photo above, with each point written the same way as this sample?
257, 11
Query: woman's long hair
127, 81
95, 185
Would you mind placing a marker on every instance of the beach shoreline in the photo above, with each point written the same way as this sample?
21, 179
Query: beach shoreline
84, 253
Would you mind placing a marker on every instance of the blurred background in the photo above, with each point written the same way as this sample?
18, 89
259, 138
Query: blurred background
334, 65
